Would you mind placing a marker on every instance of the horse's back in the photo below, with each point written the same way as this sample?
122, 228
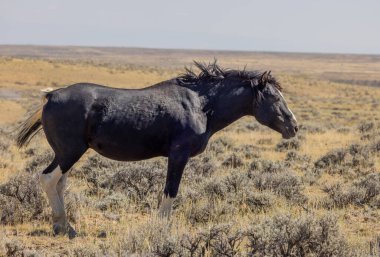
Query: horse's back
125, 124
140, 124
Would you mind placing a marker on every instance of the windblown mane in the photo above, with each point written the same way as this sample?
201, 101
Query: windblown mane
213, 73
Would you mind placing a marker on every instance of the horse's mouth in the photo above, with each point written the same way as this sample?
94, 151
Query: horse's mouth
289, 132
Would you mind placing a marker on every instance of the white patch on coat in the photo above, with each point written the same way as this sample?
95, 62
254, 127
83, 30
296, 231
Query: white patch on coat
61, 187
49, 183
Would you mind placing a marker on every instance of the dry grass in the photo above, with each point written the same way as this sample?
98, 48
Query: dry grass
236, 198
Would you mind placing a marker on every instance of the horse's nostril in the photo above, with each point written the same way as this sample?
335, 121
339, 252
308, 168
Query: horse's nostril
296, 128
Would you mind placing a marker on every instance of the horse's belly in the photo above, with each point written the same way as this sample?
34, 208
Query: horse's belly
128, 145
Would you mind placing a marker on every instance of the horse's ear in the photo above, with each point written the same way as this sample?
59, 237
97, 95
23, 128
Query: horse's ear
263, 80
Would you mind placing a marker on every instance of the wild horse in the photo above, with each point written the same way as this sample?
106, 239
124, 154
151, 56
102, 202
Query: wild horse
174, 118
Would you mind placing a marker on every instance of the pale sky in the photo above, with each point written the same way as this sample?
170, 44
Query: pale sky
329, 26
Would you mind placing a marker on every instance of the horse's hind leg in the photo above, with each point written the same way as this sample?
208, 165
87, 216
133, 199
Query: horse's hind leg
61, 187
64, 126
53, 180
49, 180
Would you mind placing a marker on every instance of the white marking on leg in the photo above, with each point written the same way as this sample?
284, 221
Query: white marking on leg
61, 188
166, 206
49, 184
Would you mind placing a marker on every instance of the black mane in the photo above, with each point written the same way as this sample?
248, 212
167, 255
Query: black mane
213, 73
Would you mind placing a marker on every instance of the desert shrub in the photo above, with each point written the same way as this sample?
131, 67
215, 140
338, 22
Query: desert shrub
97, 169
141, 182
253, 127
360, 156
340, 196
375, 147
199, 213
200, 167
258, 201
366, 127
39, 162
284, 183
371, 186
217, 240
223, 241
138, 180
84, 251
161, 238
73, 202
248, 151
220, 145
17, 249
155, 237
21, 200
291, 144
209, 210
302, 162
275, 176
14, 248
214, 188
267, 166
284, 235
191, 245
354, 159
332, 158
188, 193
310, 174
4, 145
362, 191
294, 156
233, 161
237, 182
240, 192
113, 201
89, 250
311, 129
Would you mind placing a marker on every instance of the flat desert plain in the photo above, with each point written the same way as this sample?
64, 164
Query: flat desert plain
250, 193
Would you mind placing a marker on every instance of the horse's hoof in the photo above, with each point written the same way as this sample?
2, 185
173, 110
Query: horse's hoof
71, 232
58, 229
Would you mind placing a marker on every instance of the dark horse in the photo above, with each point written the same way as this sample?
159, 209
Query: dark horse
174, 118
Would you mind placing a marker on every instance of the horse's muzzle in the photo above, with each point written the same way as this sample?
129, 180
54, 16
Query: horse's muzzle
290, 130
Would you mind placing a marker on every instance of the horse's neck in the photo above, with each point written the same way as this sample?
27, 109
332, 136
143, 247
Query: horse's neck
226, 105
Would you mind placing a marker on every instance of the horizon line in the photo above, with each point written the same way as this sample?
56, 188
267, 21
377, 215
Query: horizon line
194, 49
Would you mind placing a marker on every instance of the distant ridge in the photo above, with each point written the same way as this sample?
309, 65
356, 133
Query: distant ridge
165, 57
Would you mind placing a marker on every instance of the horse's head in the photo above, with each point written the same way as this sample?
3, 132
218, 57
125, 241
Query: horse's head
270, 108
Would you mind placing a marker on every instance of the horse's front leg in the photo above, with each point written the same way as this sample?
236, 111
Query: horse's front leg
178, 158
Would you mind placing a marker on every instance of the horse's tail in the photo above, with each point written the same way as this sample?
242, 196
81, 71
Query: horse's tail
32, 125
29, 128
